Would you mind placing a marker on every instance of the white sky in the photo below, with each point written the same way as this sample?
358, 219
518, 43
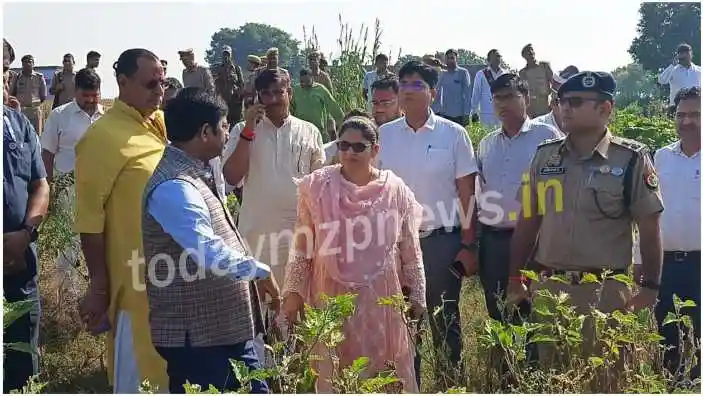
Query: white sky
591, 35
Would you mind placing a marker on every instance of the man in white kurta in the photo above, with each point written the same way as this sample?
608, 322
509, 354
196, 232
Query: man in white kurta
268, 212
64, 127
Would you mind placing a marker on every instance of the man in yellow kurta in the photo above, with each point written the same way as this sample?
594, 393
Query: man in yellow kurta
114, 160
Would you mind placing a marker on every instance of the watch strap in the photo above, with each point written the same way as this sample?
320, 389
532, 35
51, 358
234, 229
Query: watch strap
472, 247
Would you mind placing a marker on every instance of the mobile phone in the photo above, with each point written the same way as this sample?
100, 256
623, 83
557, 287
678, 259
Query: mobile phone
457, 269
257, 100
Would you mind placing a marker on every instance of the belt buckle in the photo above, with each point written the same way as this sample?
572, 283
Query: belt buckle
680, 256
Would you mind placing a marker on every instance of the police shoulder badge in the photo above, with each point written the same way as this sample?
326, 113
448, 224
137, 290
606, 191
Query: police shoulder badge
651, 181
588, 81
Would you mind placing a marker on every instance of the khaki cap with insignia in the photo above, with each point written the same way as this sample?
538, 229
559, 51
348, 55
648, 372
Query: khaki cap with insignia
188, 51
254, 59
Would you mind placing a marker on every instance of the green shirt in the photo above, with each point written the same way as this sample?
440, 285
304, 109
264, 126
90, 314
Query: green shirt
315, 105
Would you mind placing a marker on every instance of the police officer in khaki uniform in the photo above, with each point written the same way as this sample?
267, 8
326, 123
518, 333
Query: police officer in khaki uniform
229, 85
583, 195
195, 75
63, 85
30, 89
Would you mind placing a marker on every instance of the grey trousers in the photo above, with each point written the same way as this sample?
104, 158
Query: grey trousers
439, 251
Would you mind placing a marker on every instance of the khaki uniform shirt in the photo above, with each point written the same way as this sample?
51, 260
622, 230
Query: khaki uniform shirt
29, 90
199, 77
229, 82
539, 85
324, 79
67, 82
587, 223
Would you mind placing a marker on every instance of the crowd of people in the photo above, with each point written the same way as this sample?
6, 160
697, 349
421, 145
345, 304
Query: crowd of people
392, 199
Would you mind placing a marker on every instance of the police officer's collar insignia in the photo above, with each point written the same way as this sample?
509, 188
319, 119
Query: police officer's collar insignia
588, 81
651, 181
554, 160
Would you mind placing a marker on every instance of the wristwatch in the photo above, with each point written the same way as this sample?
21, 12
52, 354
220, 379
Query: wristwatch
471, 247
33, 232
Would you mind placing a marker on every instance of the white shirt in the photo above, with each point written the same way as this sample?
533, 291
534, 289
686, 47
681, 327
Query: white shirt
429, 160
481, 98
64, 127
680, 186
502, 160
679, 77
549, 120
277, 158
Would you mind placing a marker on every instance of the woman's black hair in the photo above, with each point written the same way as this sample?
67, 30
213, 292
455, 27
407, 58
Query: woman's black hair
366, 126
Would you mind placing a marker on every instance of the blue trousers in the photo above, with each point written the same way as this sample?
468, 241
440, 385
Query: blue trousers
207, 366
681, 275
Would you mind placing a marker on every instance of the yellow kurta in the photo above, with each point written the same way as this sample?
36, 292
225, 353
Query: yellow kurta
114, 160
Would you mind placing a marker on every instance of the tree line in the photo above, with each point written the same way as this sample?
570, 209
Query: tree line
661, 28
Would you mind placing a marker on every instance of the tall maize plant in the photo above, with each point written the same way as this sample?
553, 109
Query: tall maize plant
347, 70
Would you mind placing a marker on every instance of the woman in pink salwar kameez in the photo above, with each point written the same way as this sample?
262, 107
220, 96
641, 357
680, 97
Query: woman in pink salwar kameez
357, 232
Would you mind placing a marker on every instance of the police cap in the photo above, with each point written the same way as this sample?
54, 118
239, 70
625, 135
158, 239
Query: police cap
587, 81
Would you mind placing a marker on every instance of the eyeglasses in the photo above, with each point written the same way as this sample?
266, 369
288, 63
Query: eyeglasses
153, 84
575, 102
413, 86
358, 147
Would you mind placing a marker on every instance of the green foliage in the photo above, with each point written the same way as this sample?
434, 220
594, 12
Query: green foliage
252, 39
661, 28
655, 132
293, 372
347, 70
56, 232
11, 312
623, 342
635, 86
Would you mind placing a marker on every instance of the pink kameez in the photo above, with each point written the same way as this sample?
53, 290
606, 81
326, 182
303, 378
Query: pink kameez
340, 217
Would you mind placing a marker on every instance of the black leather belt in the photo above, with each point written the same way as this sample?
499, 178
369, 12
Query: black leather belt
439, 231
575, 277
496, 230
679, 256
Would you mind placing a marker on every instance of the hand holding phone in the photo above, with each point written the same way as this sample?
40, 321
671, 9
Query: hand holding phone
254, 113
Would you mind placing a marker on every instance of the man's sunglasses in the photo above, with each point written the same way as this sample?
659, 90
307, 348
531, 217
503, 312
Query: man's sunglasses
356, 147
155, 83
576, 102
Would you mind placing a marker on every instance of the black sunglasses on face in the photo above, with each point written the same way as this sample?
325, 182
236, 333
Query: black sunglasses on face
575, 102
356, 147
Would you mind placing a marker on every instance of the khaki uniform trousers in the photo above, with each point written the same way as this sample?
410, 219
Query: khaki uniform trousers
34, 114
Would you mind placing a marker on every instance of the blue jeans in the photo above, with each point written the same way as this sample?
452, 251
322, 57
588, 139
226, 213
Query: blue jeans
680, 276
207, 366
